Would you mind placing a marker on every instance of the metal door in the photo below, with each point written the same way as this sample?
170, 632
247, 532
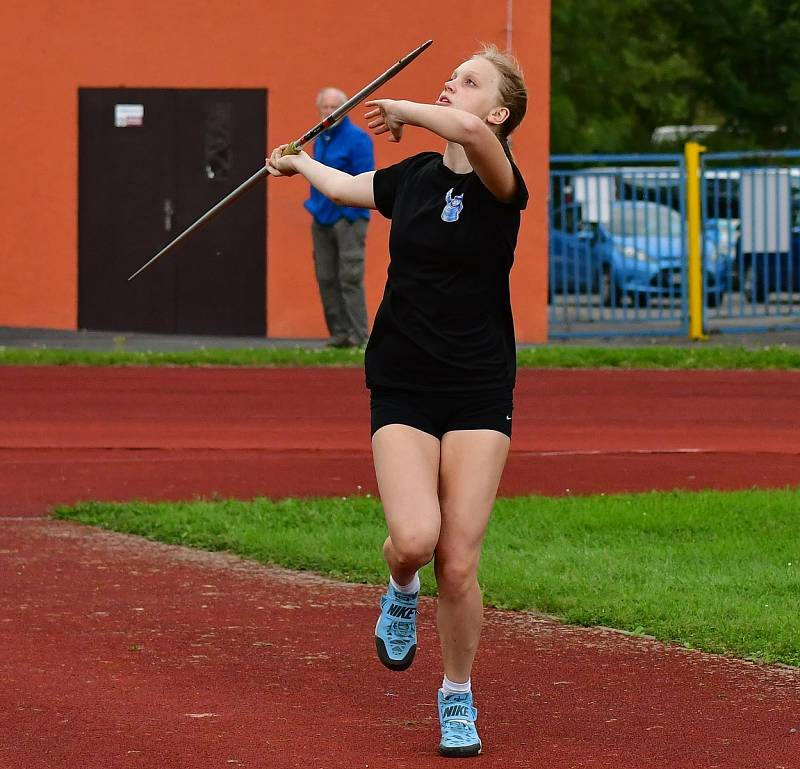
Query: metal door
151, 162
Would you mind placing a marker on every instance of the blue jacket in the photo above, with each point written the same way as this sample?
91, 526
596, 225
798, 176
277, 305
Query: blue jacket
347, 148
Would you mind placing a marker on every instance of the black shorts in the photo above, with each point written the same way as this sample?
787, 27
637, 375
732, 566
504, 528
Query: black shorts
439, 413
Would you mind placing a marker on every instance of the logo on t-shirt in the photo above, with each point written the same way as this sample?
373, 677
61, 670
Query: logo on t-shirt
452, 207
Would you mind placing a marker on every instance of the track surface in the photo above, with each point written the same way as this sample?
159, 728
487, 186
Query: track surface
115, 652
80, 433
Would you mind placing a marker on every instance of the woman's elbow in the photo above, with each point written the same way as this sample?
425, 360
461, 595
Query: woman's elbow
336, 195
473, 131
348, 191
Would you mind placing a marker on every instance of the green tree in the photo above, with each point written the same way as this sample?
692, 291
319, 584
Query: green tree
618, 71
748, 53
622, 68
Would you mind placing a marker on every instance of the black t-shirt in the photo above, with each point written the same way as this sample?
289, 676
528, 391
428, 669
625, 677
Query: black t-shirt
444, 323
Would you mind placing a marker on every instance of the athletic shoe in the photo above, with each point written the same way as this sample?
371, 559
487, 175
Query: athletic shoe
457, 718
396, 631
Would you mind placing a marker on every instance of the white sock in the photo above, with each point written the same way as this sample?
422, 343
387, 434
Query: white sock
451, 687
411, 588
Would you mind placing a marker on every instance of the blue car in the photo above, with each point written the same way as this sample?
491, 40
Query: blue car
759, 274
639, 253
724, 234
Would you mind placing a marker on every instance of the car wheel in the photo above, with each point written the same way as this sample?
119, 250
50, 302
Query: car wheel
754, 289
713, 299
612, 293
640, 299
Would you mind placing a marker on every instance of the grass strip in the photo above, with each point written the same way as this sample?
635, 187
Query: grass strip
711, 570
252, 356
683, 358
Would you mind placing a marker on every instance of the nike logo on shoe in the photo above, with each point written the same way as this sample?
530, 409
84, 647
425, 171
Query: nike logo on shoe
404, 612
453, 711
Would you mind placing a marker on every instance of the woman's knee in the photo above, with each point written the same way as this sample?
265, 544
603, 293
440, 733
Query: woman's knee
455, 576
409, 551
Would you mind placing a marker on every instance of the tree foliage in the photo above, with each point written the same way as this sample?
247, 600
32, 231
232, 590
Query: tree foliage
621, 69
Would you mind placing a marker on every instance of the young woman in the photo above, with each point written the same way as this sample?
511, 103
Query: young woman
440, 362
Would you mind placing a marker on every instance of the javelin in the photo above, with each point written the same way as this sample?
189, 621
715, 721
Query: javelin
292, 149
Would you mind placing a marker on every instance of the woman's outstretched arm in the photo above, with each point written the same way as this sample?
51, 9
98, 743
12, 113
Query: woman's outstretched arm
340, 187
482, 147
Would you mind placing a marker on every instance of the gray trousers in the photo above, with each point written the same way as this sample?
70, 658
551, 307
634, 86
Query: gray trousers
339, 263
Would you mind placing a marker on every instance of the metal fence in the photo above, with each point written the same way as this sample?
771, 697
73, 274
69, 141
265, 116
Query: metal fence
619, 244
751, 212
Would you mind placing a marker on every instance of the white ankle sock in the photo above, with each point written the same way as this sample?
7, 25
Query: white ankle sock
411, 588
451, 687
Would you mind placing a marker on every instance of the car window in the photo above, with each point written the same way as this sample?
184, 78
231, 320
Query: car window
638, 219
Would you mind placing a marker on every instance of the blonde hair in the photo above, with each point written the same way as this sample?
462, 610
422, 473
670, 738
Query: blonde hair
513, 93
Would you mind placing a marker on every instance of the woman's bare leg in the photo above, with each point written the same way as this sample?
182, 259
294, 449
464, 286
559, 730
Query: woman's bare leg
471, 465
407, 468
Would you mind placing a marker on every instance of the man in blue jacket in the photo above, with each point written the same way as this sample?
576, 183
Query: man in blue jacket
339, 232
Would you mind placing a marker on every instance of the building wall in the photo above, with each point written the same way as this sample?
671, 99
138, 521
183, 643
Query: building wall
52, 49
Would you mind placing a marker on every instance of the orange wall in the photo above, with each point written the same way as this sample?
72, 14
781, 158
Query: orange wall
52, 49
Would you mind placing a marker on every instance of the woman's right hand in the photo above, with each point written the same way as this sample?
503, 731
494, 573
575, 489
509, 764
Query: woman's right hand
385, 118
279, 164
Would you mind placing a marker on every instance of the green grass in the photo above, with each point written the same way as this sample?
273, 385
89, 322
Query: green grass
710, 570
695, 357
267, 356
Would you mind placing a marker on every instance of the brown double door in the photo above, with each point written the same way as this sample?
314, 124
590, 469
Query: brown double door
151, 161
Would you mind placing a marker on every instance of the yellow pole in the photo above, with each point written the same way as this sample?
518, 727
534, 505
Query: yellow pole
692, 153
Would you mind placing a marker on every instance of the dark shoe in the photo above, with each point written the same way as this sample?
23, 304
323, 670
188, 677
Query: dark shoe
339, 342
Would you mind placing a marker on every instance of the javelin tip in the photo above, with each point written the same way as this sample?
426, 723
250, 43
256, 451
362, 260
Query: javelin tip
411, 55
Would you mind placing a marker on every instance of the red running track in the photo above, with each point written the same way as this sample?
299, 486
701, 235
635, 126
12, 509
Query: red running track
116, 652
158, 433
120, 653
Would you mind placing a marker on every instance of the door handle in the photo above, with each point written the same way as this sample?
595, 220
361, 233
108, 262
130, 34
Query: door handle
169, 211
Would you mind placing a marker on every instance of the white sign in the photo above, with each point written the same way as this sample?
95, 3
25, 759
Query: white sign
764, 208
595, 191
126, 115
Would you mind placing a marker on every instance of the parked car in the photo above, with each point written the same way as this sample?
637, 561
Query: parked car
639, 253
762, 273
724, 234
759, 274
